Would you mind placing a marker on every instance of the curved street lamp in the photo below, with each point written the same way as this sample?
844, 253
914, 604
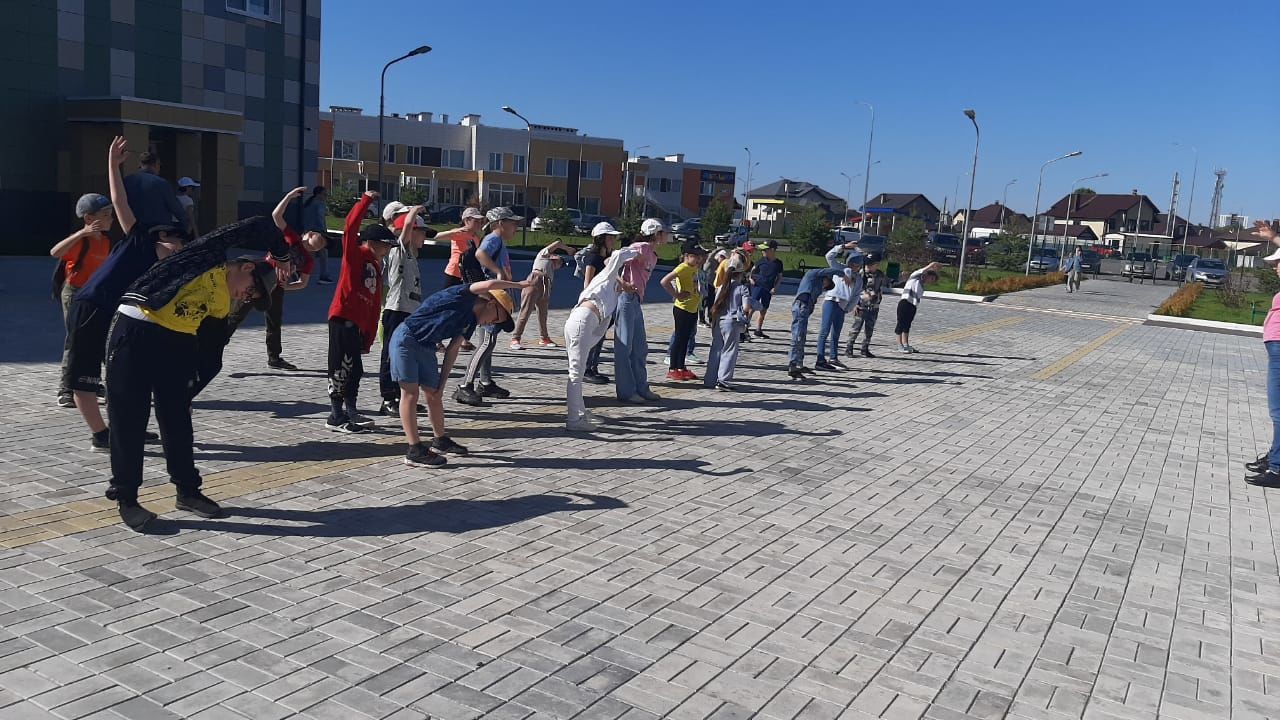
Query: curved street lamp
866, 177
1031, 243
968, 210
528, 150
382, 102
1004, 200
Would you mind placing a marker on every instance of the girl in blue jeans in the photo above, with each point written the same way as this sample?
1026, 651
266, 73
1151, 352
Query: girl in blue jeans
1266, 469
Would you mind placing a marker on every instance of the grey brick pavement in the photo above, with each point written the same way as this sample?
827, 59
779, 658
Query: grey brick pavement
949, 535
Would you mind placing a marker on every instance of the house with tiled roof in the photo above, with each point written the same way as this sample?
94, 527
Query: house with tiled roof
883, 211
1106, 213
773, 206
988, 220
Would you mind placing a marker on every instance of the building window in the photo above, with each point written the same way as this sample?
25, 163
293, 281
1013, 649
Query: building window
495, 162
591, 170
665, 185
676, 185
413, 154
391, 153
454, 159
707, 189
265, 9
557, 167
589, 205
344, 150
518, 164
501, 195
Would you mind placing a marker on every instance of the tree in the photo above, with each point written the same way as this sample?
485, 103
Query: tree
340, 201
413, 195
906, 242
1009, 251
632, 217
716, 219
812, 230
555, 219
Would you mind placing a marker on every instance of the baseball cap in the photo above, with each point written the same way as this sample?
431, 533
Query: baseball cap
1273, 257
693, 248
770, 245
265, 280
653, 226
499, 214
91, 203
855, 259
749, 246
472, 212
503, 298
380, 233
736, 263
187, 182
872, 258
604, 228
393, 208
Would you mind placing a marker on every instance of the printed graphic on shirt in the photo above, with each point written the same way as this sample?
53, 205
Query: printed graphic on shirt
371, 278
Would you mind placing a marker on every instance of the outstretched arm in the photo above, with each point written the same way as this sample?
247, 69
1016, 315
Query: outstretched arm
490, 285
64, 245
117, 154
283, 206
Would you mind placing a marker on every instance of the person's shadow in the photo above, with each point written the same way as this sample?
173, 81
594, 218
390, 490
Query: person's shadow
445, 516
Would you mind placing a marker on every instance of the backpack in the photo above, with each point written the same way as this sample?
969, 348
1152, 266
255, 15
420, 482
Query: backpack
60, 270
471, 269
580, 262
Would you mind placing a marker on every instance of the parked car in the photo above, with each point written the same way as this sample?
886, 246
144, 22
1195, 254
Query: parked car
1139, 265
944, 246
451, 214
737, 235
1090, 262
975, 252
690, 229
873, 244
575, 216
1105, 251
1045, 260
585, 225
1209, 271
1176, 269
524, 211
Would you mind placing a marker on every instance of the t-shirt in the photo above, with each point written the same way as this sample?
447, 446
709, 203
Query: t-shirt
542, 262
123, 265
1271, 326
303, 262
153, 200
493, 246
443, 316
913, 290
404, 280
593, 259
187, 203
205, 296
766, 272
686, 281
459, 245
96, 248
638, 270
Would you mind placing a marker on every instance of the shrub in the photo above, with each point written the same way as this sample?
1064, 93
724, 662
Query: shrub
413, 195
1267, 280
340, 201
555, 219
812, 231
1232, 294
716, 219
1179, 304
906, 243
1013, 283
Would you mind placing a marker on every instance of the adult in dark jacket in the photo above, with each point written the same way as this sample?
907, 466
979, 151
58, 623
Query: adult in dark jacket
152, 198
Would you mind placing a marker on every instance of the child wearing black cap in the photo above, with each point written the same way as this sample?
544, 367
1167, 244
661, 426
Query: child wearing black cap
681, 283
152, 353
354, 314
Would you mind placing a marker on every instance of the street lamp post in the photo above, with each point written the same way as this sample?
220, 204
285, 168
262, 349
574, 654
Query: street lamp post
528, 151
1071, 197
382, 102
1195, 169
1004, 200
968, 210
1035, 214
848, 195
746, 191
866, 178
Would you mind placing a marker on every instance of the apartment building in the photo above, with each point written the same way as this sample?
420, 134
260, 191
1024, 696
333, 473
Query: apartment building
671, 187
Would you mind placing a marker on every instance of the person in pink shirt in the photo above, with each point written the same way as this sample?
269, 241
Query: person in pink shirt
1266, 469
630, 343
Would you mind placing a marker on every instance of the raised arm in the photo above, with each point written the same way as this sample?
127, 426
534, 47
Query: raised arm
406, 227
283, 206
64, 245
485, 286
351, 231
118, 153
833, 256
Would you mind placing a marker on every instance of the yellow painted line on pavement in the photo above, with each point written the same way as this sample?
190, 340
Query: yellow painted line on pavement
1079, 354
971, 330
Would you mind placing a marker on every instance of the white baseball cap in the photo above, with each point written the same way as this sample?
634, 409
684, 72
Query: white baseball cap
603, 228
187, 182
393, 208
653, 226
1273, 257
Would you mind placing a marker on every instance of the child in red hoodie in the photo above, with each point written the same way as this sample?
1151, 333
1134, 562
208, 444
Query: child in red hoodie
354, 313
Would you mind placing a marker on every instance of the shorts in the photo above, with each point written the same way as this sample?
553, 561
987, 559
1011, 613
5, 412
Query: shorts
411, 362
906, 315
761, 296
87, 328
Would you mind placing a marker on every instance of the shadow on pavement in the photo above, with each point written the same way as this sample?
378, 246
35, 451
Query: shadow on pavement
447, 516
309, 450
278, 408
567, 463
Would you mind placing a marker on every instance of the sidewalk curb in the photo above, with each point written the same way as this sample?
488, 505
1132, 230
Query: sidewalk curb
1211, 326
952, 297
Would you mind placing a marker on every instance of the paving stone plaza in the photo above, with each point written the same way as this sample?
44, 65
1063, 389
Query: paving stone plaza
1040, 515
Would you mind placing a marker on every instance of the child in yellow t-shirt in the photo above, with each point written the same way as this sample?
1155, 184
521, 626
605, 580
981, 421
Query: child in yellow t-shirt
682, 284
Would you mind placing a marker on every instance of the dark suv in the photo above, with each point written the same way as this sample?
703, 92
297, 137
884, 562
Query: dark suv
1176, 268
945, 247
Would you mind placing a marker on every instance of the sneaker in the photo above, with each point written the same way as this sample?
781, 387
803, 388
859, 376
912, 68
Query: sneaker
650, 396
675, 375
666, 360
326, 281
422, 456
581, 425
515, 345
688, 375
725, 387
693, 359
1259, 465
390, 408
445, 444
150, 438
358, 419
848, 352
904, 348
804, 369
66, 400
822, 364
867, 353
345, 426
835, 363
467, 396
547, 343
596, 378
134, 515
633, 400
1270, 479
794, 372
281, 364
196, 503
492, 390
101, 442
912, 349
468, 346
760, 334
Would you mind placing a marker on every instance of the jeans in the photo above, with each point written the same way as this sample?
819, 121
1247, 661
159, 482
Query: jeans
1273, 401
685, 324
630, 349
581, 331
722, 358
864, 321
801, 309
387, 387
322, 263
832, 323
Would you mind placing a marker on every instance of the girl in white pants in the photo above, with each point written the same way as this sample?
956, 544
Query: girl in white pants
588, 322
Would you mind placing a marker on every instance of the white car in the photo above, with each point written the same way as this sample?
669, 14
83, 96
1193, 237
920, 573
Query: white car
575, 216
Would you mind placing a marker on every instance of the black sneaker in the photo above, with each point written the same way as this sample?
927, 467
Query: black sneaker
134, 515
744, 337
848, 352
492, 390
66, 400
445, 444
281, 364
1260, 465
101, 442
794, 372
822, 364
467, 396
196, 503
804, 369
867, 353
391, 408
596, 378
422, 456
1269, 479
835, 363
760, 334
325, 281
724, 387
344, 425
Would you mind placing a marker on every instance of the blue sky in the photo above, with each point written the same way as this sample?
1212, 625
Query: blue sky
1121, 80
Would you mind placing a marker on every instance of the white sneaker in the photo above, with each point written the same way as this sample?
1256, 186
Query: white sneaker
693, 359
515, 345
547, 344
666, 360
358, 419
582, 425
